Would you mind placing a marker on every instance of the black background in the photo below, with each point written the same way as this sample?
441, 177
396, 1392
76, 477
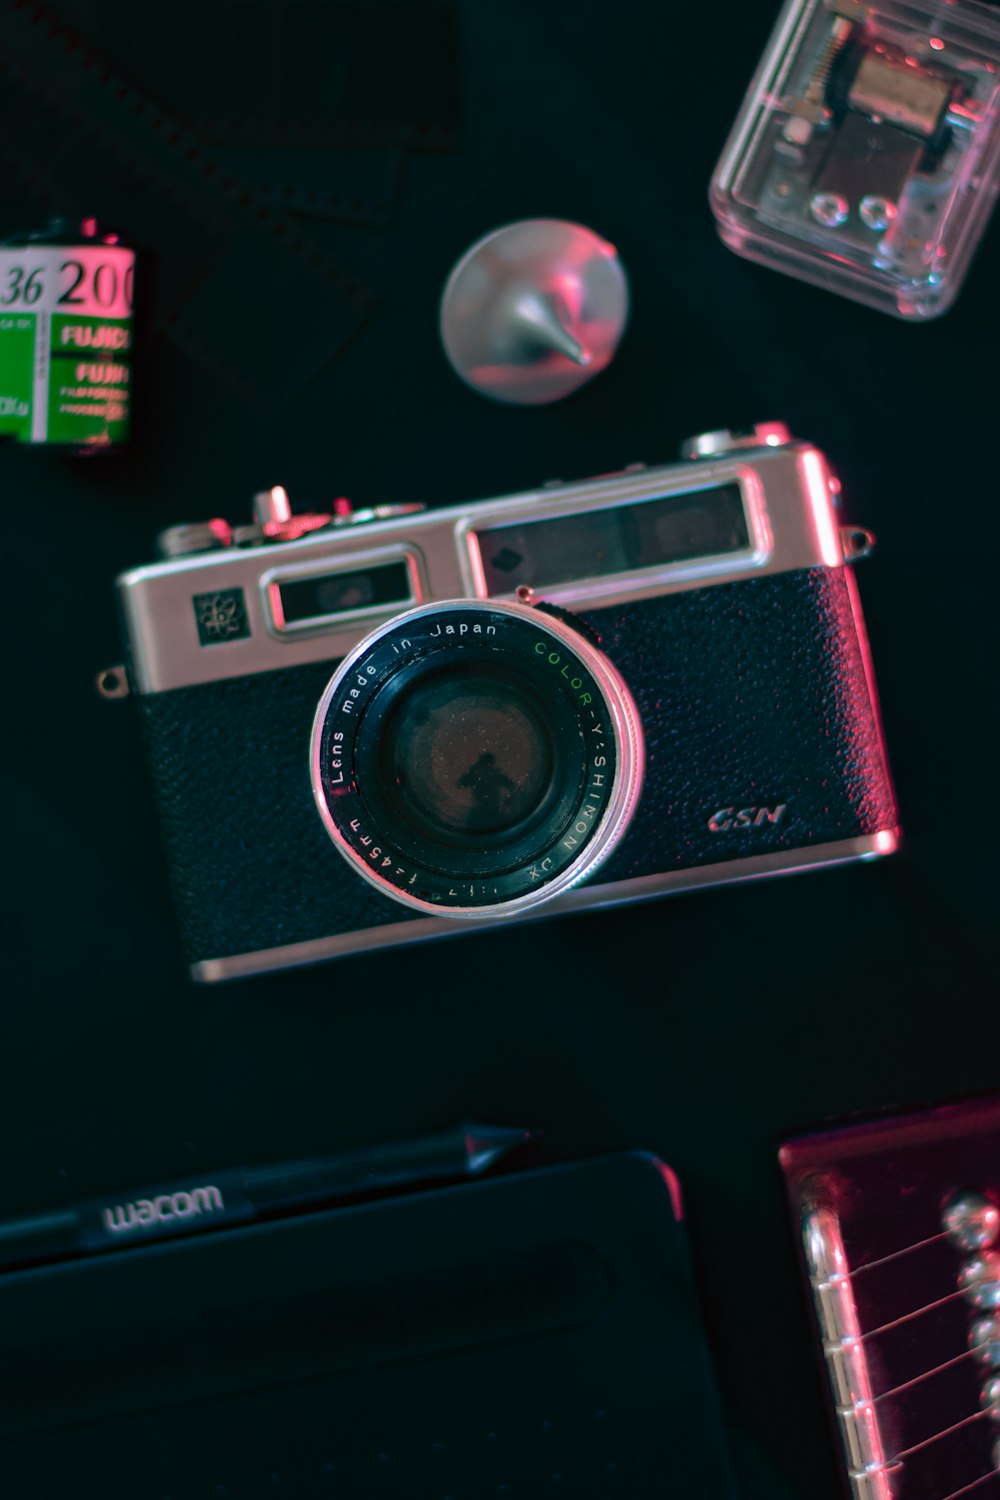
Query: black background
706, 1028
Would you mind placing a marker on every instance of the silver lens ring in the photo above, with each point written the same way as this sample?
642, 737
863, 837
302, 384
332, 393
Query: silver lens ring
475, 758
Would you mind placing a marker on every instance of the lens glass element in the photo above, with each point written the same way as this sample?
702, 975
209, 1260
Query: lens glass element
467, 751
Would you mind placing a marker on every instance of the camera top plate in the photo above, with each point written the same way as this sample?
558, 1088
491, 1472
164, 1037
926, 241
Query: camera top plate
211, 616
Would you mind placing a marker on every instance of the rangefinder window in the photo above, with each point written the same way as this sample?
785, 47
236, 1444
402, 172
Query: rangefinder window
297, 603
618, 539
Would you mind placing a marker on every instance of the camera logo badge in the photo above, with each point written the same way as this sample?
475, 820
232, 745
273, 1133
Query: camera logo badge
221, 617
745, 817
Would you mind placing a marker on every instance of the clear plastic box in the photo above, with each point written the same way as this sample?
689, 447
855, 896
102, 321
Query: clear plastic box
865, 158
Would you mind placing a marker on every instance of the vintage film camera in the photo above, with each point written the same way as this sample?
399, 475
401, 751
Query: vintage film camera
381, 726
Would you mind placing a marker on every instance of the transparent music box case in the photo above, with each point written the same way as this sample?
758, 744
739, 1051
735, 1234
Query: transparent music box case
865, 158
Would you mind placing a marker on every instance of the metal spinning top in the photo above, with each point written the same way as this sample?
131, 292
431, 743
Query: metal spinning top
534, 310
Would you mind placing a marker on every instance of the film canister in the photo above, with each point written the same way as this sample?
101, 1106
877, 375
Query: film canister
66, 331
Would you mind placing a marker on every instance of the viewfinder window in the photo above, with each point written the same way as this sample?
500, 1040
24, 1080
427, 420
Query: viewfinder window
619, 539
300, 602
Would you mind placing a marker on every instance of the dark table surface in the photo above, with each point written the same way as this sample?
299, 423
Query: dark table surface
706, 1028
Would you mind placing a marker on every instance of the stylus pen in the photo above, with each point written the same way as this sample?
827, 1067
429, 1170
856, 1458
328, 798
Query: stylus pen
240, 1194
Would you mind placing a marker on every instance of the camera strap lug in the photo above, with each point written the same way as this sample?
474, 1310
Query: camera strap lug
856, 542
113, 683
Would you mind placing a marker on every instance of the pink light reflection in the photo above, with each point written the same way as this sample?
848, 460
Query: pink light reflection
673, 1187
827, 534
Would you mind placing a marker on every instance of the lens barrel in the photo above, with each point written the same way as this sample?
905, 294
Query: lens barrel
473, 759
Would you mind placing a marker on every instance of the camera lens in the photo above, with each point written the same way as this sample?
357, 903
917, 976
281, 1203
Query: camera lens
475, 758
467, 752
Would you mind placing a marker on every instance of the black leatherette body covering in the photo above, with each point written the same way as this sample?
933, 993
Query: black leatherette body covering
752, 695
